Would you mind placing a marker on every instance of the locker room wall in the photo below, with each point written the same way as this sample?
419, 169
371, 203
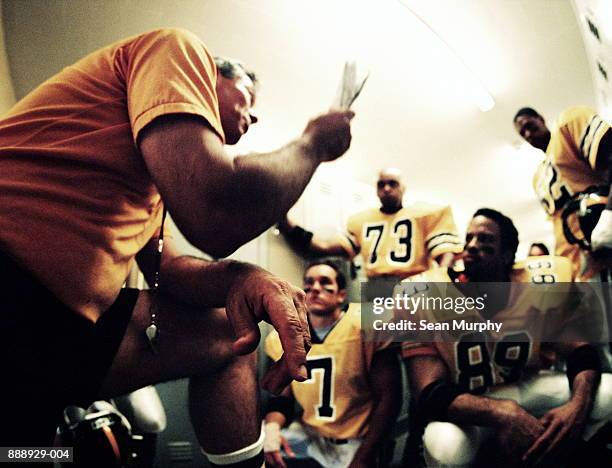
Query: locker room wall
595, 20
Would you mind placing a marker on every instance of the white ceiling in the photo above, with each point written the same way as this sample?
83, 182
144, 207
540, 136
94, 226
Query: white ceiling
413, 113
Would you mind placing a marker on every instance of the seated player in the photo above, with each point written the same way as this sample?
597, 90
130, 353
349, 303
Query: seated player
353, 393
469, 388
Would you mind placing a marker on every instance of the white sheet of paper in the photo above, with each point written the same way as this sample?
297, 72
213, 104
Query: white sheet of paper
349, 87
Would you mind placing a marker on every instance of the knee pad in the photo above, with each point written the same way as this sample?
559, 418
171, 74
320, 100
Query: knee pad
606, 357
447, 444
144, 410
602, 408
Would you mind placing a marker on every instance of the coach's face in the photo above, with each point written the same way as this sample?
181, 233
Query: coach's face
483, 257
323, 296
236, 100
533, 130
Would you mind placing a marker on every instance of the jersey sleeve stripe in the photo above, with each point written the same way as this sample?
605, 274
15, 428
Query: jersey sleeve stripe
590, 143
583, 139
592, 139
449, 243
451, 234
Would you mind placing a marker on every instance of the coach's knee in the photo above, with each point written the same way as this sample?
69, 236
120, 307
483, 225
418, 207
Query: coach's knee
213, 340
447, 444
241, 369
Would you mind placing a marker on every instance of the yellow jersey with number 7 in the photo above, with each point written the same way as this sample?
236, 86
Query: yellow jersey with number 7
337, 397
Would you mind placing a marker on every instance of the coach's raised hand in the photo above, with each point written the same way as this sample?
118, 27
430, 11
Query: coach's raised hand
328, 136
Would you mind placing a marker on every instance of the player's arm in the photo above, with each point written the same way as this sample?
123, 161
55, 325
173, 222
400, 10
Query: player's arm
385, 380
441, 237
601, 237
304, 241
565, 424
219, 202
249, 294
279, 413
438, 399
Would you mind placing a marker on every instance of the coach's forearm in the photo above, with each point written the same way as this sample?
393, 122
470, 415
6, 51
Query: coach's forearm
267, 185
221, 202
246, 197
200, 282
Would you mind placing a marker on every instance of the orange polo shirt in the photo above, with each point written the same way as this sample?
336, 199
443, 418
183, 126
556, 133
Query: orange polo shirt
76, 200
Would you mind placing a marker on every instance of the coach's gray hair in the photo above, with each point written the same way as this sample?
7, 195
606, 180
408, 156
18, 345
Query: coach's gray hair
230, 68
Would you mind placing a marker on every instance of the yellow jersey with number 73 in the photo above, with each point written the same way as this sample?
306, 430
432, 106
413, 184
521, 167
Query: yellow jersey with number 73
403, 243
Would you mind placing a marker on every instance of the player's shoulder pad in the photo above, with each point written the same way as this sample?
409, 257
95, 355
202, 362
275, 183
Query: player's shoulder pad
575, 113
433, 275
364, 215
559, 267
353, 314
420, 284
421, 208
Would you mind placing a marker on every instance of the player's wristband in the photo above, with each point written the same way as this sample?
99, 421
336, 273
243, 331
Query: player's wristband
435, 399
583, 358
283, 405
299, 237
272, 439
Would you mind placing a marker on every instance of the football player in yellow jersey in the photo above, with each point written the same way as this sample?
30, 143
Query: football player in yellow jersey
467, 391
393, 240
578, 157
353, 393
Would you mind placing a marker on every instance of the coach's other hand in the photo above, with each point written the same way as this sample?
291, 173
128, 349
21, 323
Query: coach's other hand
257, 295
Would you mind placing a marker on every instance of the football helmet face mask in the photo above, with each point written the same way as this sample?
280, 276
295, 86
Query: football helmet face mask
586, 207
